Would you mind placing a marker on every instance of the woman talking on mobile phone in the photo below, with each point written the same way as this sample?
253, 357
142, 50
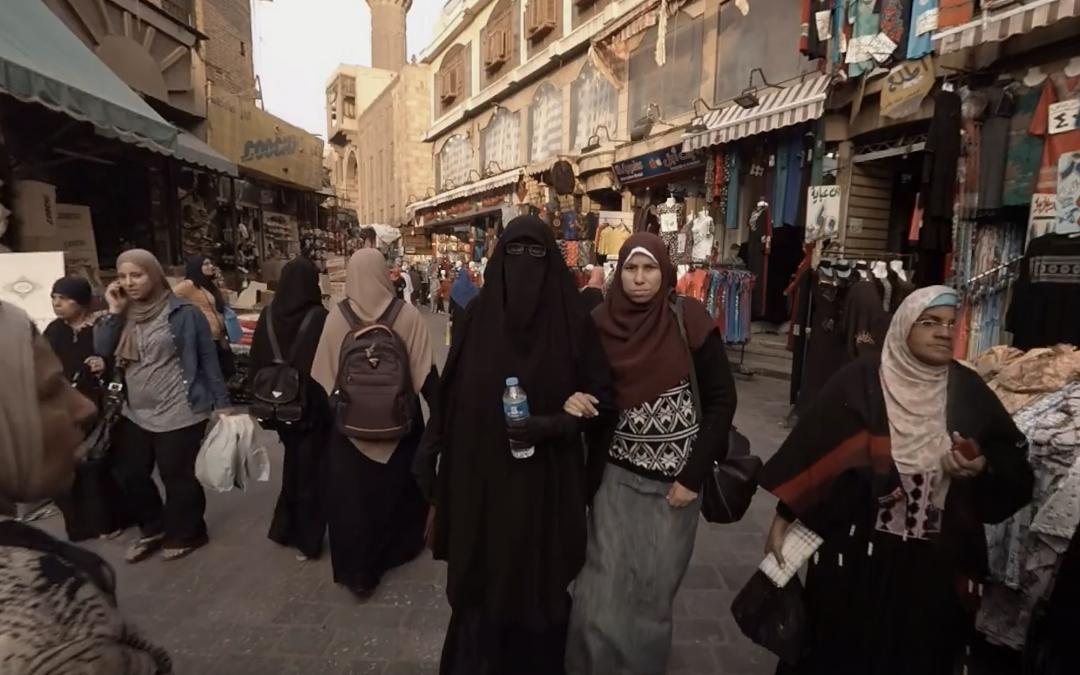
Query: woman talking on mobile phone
172, 383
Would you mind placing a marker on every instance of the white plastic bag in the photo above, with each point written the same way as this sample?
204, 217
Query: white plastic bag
227, 458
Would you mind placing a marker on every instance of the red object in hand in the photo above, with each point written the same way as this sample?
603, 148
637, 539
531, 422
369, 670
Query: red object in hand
966, 449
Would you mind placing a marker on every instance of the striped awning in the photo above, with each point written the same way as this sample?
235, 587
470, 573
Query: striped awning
468, 190
778, 109
1001, 25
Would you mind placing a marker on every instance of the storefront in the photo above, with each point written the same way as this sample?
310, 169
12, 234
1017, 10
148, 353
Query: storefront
78, 158
464, 223
282, 188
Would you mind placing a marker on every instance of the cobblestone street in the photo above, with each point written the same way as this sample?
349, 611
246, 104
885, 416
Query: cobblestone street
244, 606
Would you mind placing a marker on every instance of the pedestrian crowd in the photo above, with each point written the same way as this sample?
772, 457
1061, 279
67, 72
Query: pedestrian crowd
564, 559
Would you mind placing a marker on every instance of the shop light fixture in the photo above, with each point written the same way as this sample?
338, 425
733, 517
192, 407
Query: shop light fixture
594, 141
748, 98
697, 125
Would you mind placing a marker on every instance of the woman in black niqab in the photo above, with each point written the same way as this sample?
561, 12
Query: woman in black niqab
300, 514
513, 530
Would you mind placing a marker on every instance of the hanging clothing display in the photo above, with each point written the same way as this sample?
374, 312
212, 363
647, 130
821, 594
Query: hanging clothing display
703, 231
1057, 144
923, 21
994, 133
726, 295
760, 238
1024, 154
1048, 283
732, 167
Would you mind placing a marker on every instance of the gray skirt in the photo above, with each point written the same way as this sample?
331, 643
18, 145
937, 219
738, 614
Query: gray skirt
638, 552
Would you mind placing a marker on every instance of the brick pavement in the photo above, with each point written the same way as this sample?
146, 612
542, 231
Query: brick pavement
244, 606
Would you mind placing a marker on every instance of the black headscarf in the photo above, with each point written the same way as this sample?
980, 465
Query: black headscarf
298, 292
193, 273
513, 531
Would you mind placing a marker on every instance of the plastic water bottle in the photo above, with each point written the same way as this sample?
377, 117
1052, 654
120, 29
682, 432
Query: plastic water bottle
516, 407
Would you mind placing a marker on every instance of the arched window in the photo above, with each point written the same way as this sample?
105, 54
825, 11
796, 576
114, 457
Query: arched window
545, 123
452, 79
594, 103
500, 142
455, 162
351, 177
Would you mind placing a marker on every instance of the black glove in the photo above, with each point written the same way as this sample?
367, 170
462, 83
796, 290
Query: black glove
533, 430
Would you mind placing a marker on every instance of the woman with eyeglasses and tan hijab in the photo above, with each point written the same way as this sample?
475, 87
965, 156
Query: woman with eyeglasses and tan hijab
897, 465
58, 609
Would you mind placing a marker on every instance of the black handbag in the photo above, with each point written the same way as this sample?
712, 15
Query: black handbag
732, 483
98, 439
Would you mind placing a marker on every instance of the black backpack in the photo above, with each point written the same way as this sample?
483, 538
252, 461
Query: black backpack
373, 396
278, 390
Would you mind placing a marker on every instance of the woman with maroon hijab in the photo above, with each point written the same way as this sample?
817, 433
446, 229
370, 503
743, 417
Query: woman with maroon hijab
659, 450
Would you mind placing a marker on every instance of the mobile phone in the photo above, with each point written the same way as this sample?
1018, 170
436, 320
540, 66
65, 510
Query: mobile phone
967, 450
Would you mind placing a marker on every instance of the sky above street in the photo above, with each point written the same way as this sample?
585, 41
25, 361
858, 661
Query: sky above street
298, 43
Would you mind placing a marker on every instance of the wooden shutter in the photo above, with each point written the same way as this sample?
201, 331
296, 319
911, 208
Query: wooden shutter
541, 17
869, 207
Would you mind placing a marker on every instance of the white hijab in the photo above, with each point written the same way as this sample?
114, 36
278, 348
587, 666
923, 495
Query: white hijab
915, 393
21, 452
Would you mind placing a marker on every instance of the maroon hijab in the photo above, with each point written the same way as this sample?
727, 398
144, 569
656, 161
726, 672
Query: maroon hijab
642, 340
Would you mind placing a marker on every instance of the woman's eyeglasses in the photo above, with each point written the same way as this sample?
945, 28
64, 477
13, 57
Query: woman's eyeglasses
535, 250
931, 324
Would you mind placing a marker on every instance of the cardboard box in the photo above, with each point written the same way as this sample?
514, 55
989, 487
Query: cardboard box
35, 207
75, 235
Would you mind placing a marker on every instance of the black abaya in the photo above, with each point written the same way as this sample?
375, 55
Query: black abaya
512, 530
95, 506
300, 513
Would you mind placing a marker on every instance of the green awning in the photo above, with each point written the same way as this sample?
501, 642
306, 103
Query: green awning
42, 61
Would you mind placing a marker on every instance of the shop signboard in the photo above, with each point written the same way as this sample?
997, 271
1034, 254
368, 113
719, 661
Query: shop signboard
26, 281
822, 212
1068, 194
1043, 214
658, 163
254, 139
906, 86
467, 208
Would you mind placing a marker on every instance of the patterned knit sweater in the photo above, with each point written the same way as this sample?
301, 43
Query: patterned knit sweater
58, 613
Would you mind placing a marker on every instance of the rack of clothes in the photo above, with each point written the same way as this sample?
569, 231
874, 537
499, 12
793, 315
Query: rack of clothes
843, 309
1040, 390
725, 290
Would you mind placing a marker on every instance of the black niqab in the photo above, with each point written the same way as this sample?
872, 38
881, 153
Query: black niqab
298, 292
193, 273
512, 530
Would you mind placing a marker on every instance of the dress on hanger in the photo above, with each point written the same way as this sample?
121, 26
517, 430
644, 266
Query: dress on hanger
703, 229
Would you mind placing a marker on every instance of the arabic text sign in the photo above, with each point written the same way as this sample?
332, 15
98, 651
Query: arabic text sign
906, 86
658, 163
822, 212
1043, 214
1063, 116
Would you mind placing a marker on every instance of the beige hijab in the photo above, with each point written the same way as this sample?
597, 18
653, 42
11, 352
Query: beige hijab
142, 311
369, 290
21, 452
915, 393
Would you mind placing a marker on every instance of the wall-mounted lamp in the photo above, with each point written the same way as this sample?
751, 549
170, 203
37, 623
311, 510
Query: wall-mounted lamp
470, 178
488, 171
430, 192
594, 141
748, 98
697, 125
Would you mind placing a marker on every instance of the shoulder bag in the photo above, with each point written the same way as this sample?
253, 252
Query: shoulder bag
732, 483
99, 438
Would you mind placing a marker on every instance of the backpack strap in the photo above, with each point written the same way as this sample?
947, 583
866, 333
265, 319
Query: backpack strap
300, 332
274, 347
391, 314
347, 311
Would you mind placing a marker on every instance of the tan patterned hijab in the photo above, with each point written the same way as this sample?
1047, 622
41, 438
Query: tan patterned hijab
21, 452
142, 311
915, 393
369, 290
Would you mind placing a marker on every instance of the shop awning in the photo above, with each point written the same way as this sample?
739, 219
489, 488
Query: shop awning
779, 108
43, 62
492, 183
1001, 25
193, 151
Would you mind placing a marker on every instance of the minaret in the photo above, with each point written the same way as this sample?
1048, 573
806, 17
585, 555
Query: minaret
388, 46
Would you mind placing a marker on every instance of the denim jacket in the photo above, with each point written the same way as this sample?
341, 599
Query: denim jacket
198, 353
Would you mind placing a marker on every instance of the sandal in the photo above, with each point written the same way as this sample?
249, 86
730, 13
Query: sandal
143, 548
172, 554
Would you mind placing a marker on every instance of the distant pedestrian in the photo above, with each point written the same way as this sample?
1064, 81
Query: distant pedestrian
297, 316
377, 513
461, 294
58, 609
665, 438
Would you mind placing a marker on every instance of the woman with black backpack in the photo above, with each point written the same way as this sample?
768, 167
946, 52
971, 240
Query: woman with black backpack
283, 346
375, 358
